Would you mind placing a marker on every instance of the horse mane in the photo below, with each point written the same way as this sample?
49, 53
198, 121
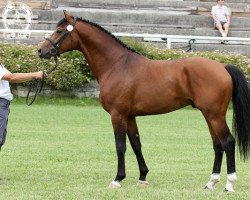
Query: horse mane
64, 21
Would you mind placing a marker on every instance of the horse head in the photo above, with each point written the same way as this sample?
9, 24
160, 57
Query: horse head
63, 39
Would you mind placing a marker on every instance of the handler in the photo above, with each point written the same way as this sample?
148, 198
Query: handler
6, 96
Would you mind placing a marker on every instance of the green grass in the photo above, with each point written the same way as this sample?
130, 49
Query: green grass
42, 100
56, 150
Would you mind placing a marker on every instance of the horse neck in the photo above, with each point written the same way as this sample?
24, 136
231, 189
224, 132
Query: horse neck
100, 50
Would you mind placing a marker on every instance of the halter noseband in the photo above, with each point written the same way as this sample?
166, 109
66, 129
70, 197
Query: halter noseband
56, 45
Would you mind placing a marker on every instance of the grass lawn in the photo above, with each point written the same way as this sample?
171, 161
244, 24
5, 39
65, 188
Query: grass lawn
65, 150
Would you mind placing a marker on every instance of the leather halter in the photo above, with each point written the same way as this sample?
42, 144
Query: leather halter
56, 45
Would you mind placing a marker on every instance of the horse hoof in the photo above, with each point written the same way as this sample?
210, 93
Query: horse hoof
142, 183
115, 184
208, 187
229, 190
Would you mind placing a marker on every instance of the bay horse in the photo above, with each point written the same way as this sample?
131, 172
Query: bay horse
132, 85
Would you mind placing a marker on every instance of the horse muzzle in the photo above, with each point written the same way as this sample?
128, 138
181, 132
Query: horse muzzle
47, 54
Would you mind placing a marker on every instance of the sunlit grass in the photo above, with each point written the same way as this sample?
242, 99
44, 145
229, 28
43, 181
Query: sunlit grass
64, 151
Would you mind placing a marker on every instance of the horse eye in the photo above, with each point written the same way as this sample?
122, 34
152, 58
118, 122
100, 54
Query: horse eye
59, 31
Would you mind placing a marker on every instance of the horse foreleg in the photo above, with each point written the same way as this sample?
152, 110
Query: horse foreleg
135, 142
120, 126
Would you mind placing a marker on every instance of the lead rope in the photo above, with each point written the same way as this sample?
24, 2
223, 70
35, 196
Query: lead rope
40, 83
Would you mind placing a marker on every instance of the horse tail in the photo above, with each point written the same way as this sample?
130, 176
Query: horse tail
241, 110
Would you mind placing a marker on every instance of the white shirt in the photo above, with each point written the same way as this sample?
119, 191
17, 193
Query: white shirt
220, 12
5, 92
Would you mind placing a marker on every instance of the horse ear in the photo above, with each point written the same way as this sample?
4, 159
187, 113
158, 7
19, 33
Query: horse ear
68, 17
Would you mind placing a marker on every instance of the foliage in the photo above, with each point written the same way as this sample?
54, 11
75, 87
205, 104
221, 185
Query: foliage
73, 70
71, 73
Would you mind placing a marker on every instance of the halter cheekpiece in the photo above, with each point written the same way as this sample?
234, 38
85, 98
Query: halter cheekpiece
56, 45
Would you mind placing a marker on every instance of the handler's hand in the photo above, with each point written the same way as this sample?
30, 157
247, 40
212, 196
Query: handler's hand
39, 75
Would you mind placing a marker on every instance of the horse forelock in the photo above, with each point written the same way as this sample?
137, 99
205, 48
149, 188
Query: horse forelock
62, 22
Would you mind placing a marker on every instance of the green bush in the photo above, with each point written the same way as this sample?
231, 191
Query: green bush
73, 70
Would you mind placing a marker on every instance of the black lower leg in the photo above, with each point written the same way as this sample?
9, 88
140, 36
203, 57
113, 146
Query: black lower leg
218, 151
135, 142
142, 166
141, 162
120, 139
229, 147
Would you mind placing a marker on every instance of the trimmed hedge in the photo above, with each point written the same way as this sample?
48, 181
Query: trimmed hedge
73, 70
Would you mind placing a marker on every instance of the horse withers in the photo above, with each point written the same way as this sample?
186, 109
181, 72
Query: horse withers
132, 85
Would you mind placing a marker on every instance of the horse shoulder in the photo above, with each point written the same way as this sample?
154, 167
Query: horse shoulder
115, 91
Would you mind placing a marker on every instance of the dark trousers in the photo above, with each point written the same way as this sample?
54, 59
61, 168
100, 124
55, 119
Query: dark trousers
4, 113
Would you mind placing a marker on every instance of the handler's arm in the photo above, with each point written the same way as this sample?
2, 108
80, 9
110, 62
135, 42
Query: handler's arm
214, 18
22, 77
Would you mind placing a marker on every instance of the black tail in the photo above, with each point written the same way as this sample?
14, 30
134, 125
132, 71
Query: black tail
241, 107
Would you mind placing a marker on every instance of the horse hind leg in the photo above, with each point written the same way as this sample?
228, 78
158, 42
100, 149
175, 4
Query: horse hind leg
218, 152
134, 138
221, 130
215, 177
